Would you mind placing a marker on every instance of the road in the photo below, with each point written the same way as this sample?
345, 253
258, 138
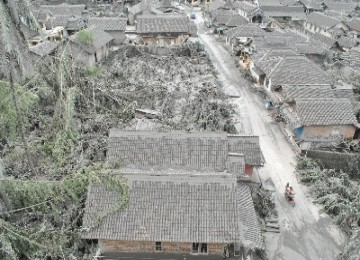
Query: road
306, 233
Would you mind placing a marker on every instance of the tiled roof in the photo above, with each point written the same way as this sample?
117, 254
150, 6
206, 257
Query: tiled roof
292, 92
76, 23
236, 20
246, 6
250, 30
162, 24
108, 23
346, 42
340, 6
353, 24
215, 5
345, 91
325, 41
222, 16
175, 209
43, 48
199, 151
270, 3
248, 146
311, 47
100, 39
297, 70
64, 9
295, 12
60, 20
268, 60
143, 5
325, 111
322, 20
311, 4
351, 58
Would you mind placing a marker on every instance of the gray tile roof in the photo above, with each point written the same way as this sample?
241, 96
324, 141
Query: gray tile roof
76, 23
325, 111
311, 4
44, 48
100, 39
175, 209
270, 3
248, 146
215, 5
246, 6
295, 12
64, 9
60, 20
345, 91
292, 92
340, 6
322, 20
353, 24
162, 24
297, 70
346, 42
351, 58
325, 41
250, 30
236, 20
311, 47
108, 23
222, 16
199, 151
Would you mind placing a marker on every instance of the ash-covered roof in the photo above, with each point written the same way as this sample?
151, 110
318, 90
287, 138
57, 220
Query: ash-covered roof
322, 20
249, 30
64, 9
292, 92
100, 39
353, 24
330, 111
312, 4
43, 48
162, 24
351, 58
340, 6
76, 23
297, 70
295, 12
222, 16
346, 42
200, 150
325, 41
60, 20
263, 3
236, 20
311, 47
108, 23
215, 5
175, 208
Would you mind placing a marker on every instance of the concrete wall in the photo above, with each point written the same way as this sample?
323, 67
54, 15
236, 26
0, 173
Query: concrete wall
109, 246
347, 131
119, 36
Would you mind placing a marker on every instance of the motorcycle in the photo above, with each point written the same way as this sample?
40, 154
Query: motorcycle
290, 198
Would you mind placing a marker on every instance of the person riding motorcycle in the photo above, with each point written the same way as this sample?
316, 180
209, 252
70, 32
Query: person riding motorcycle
289, 191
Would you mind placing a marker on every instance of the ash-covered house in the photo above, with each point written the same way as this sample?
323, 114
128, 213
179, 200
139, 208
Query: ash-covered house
163, 30
325, 25
284, 14
184, 198
115, 26
92, 52
42, 51
324, 118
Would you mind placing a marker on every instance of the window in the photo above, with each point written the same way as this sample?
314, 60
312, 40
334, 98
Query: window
158, 247
199, 248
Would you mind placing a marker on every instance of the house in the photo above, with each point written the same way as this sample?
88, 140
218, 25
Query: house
325, 118
163, 30
115, 26
320, 23
243, 35
290, 70
346, 43
42, 50
344, 8
75, 24
235, 21
92, 52
327, 42
250, 11
351, 59
284, 14
144, 7
220, 17
174, 216
290, 93
310, 6
64, 9
354, 28
205, 151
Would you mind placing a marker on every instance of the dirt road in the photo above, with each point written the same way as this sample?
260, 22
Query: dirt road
306, 233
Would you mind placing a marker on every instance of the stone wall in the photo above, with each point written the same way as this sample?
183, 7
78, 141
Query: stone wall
333, 160
110, 246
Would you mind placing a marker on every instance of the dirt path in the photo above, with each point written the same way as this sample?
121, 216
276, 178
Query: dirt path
306, 233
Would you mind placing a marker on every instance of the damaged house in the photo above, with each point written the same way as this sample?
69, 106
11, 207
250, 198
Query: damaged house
163, 30
115, 26
184, 196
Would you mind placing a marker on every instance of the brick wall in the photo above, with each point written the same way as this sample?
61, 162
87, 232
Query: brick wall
108, 246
